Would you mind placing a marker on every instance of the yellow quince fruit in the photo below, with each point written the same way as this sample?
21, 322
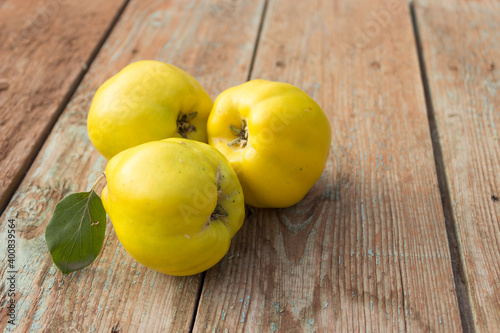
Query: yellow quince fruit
175, 204
276, 137
147, 101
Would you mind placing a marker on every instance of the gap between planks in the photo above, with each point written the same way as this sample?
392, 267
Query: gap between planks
250, 70
14, 186
456, 254
197, 301
257, 39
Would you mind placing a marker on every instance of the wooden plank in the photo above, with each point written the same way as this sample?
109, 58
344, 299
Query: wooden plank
462, 58
43, 55
367, 249
214, 41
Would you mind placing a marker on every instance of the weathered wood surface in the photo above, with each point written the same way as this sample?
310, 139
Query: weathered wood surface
45, 47
366, 250
462, 57
214, 41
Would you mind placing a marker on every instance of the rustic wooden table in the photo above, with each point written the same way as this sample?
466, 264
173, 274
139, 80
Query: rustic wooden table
402, 231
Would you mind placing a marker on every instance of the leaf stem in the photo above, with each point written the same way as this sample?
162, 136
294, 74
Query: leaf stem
97, 181
92, 223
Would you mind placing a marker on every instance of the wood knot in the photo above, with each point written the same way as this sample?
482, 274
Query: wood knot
280, 63
115, 328
4, 84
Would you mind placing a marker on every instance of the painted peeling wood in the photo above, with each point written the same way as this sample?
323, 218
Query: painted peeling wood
45, 47
366, 250
462, 57
213, 41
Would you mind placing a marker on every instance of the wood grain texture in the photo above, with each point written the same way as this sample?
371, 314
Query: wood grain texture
212, 40
45, 47
366, 250
462, 57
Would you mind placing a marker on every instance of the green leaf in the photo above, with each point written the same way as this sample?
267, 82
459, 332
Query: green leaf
75, 232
